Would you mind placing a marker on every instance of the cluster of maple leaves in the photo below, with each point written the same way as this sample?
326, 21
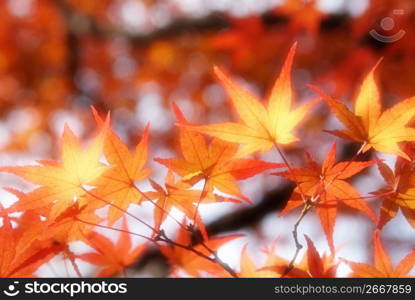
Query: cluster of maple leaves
63, 206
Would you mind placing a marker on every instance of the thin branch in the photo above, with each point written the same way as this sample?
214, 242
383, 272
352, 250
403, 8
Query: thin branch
116, 229
307, 207
298, 245
119, 208
219, 261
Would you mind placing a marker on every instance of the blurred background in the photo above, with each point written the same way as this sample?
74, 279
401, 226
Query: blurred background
135, 57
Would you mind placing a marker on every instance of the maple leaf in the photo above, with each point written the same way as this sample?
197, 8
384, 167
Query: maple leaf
215, 164
248, 269
319, 266
112, 257
21, 253
261, 127
192, 263
178, 195
312, 265
117, 184
326, 186
382, 131
74, 223
70, 225
399, 193
382, 264
61, 182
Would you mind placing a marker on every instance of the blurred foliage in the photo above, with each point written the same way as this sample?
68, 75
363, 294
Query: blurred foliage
129, 55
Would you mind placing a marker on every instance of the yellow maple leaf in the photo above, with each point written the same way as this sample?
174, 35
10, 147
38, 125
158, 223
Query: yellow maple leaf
261, 127
61, 182
382, 131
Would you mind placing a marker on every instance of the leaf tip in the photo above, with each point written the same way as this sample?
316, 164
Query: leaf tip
178, 113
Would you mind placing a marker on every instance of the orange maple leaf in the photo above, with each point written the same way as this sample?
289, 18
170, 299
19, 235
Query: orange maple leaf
178, 195
382, 264
312, 265
215, 164
326, 186
400, 192
21, 253
117, 184
112, 257
248, 268
382, 131
261, 127
72, 224
61, 182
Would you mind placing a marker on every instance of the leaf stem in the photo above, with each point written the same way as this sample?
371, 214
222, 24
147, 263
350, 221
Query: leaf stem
115, 229
291, 170
158, 206
363, 197
69, 254
119, 208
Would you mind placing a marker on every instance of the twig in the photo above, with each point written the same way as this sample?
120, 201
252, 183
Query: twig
219, 261
119, 208
298, 245
116, 229
307, 207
